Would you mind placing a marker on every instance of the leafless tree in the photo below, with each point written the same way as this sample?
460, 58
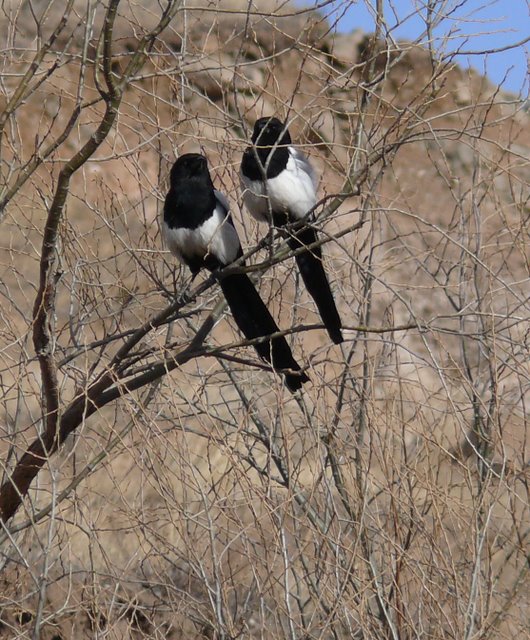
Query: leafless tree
157, 480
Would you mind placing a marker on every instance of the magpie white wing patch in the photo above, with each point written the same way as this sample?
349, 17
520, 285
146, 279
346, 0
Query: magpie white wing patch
255, 199
216, 236
222, 200
171, 240
221, 236
304, 165
292, 191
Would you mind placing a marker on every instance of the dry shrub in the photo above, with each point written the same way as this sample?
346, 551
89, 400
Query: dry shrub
389, 499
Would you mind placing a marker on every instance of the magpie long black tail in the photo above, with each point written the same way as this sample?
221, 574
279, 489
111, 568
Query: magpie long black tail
315, 279
254, 320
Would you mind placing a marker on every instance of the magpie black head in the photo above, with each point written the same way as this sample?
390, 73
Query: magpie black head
269, 152
191, 197
190, 165
270, 131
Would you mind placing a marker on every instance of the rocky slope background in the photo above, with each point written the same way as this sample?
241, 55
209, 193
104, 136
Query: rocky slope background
390, 499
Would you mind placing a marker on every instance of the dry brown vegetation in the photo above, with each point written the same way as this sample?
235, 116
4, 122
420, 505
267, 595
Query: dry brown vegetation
157, 480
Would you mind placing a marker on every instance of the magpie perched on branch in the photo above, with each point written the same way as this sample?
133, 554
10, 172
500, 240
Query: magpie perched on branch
198, 230
279, 186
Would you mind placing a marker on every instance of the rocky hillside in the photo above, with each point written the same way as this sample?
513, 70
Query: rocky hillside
390, 497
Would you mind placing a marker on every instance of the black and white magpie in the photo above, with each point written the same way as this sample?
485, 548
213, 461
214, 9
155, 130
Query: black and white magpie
198, 230
279, 186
